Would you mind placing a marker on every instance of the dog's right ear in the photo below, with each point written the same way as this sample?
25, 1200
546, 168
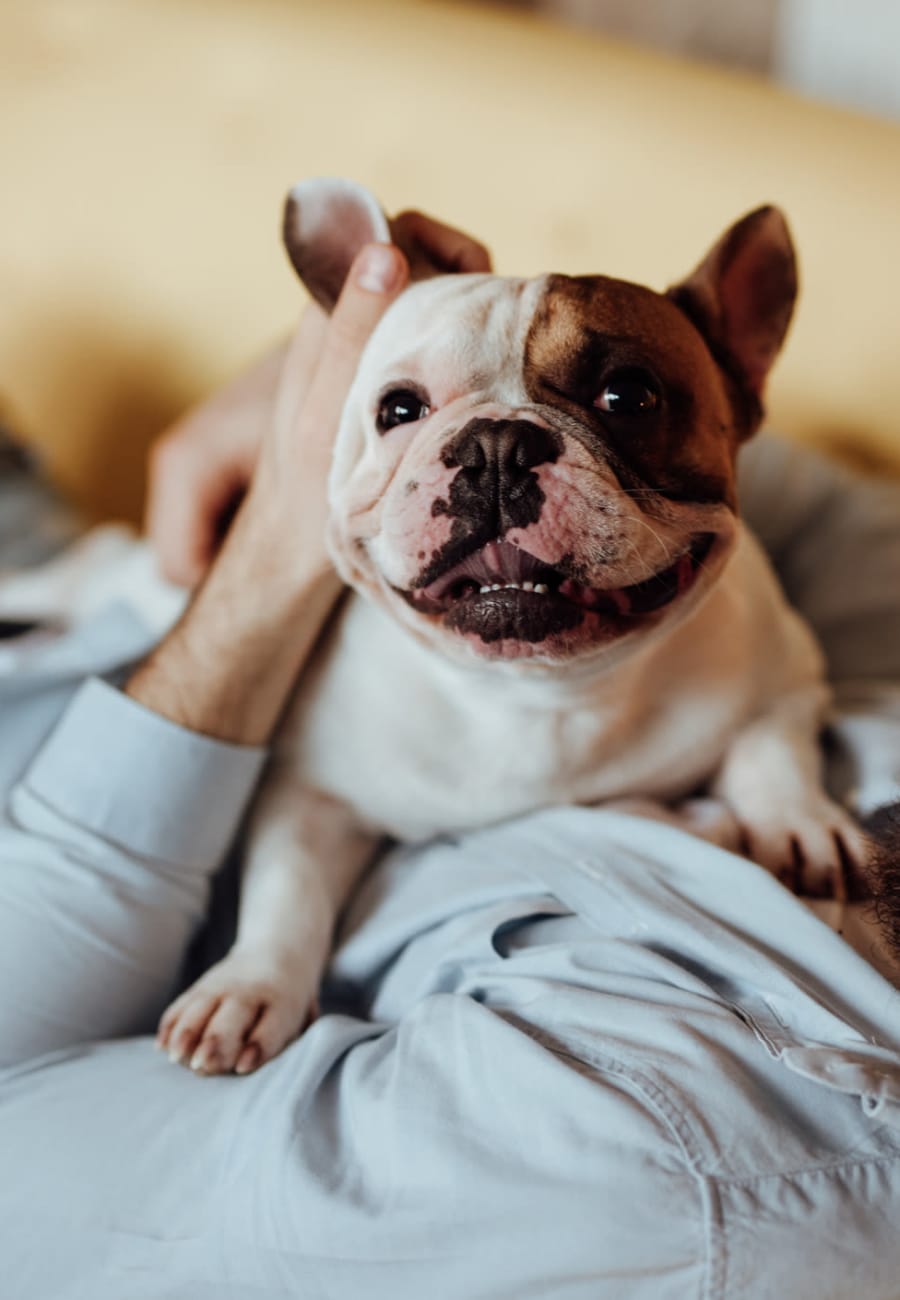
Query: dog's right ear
741, 298
327, 221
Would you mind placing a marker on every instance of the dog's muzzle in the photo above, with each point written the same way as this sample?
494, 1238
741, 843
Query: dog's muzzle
498, 591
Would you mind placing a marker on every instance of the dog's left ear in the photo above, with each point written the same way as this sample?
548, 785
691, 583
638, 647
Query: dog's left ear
741, 298
327, 220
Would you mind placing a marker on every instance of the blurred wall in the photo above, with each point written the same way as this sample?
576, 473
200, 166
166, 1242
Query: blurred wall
146, 147
737, 32
845, 51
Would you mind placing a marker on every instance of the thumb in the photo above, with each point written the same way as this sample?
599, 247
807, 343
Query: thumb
378, 275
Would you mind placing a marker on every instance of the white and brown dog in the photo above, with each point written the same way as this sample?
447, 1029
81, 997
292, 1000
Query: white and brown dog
553, 598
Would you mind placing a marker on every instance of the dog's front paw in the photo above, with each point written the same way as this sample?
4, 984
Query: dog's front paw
811, 844
238, 1015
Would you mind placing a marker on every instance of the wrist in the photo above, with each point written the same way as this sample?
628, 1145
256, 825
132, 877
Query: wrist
228, 667
273, 559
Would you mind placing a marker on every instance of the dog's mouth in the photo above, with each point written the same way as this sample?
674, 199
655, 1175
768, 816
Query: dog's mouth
500, 591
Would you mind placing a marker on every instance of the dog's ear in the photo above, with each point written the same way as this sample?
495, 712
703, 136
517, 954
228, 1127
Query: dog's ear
741, 298
327, 221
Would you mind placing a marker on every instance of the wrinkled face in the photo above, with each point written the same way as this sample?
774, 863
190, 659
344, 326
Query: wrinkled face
534, 470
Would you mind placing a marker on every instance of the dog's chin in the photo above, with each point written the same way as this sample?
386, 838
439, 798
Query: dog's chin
501, 603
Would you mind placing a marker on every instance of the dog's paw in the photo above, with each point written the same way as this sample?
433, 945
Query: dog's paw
238, 1015
812, 845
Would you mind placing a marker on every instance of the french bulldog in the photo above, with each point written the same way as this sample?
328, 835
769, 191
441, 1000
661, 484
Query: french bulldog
552, 598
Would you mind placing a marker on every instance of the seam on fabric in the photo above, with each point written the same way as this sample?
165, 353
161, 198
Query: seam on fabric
716, 1240
718, 1183
680, 1129
808, 1171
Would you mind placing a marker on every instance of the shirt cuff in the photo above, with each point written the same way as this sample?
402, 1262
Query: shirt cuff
132, 777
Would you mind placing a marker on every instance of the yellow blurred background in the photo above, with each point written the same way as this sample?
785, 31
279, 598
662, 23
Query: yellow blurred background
146, 146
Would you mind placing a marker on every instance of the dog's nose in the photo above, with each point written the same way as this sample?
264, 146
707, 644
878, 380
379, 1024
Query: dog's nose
502, 451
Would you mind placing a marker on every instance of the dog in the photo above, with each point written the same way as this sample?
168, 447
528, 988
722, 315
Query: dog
552, 599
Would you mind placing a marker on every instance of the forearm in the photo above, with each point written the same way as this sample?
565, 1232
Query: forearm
228, 667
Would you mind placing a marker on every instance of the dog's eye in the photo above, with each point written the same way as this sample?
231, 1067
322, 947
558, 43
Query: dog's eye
400, 406
629, 392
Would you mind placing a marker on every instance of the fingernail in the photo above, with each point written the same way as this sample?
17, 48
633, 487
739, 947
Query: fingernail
378, 269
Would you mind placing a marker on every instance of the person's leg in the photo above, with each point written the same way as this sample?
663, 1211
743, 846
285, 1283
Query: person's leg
577, 1082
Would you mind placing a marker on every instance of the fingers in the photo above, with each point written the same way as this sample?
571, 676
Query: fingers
378, 274
190, 494
200, 467
445, 247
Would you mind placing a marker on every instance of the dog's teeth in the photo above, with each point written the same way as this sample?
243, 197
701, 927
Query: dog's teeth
495, 587
513, 586
484, 589
528, 586
541, 588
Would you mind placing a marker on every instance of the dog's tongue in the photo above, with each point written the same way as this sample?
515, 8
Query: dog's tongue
495, 562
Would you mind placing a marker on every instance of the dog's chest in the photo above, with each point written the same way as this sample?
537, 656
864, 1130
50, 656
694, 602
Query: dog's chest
416, 745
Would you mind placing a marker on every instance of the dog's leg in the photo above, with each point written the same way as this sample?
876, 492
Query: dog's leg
305, 853
771, 778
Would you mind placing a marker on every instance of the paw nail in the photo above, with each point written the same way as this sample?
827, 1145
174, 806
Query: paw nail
248, 1060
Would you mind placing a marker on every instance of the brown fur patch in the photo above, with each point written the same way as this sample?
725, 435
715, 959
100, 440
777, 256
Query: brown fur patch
588, 327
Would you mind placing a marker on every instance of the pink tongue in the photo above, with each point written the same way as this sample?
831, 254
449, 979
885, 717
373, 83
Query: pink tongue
685, 573
494, 562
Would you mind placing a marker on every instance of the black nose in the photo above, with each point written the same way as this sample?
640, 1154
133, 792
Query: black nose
500, 453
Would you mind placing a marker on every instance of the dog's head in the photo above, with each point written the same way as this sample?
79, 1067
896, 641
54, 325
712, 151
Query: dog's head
540, 470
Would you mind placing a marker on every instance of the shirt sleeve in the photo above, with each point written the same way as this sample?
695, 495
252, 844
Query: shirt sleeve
107, 846
132, 777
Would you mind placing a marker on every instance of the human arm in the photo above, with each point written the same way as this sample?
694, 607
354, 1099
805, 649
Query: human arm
121, 816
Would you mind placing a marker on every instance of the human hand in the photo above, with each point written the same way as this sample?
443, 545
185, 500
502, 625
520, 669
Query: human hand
201, 467
226, 669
